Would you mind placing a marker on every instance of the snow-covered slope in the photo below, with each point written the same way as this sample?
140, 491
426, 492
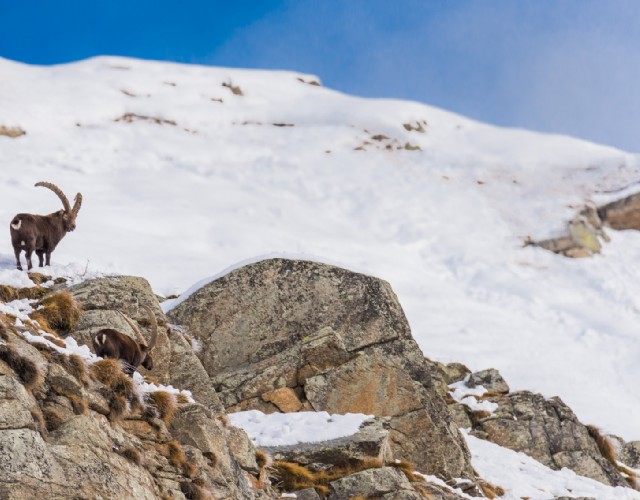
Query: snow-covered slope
215, 178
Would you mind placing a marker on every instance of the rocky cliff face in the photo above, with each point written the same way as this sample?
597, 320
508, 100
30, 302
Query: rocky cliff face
70, 429
284, 335
278, 336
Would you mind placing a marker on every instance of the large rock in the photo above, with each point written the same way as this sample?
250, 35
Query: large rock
371, 483
339, 340
622, 214
547, 430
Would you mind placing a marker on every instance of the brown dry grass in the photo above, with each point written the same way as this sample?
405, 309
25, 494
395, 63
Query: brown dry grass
193, 491
165, 403
39, 424
131, 454
408, 469
52, 418
106, 371
55, 340
76, 367
490, 490
118, 406
58, 311
262, 459
290, 476
9, 293
26, 369
608, 450
38, 278
182, 399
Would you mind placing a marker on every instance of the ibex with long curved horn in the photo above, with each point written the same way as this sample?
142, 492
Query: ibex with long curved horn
42, 233
110, 343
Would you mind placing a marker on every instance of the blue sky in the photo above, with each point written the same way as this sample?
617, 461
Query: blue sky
569, 66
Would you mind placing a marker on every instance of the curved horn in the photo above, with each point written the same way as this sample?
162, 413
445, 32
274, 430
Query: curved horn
76, 206
154, 328
58, 191
134, 328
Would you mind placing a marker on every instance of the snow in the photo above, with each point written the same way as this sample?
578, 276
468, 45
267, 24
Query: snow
444, 225
523, 477
285, 429
469, 396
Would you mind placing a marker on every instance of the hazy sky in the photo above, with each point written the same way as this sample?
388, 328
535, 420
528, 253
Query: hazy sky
570, 66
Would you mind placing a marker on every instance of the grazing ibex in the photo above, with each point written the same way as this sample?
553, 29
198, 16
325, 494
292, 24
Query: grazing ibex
110, 343
42, 233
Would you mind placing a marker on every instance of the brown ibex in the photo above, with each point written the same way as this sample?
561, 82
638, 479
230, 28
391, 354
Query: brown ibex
110, 343
42, 233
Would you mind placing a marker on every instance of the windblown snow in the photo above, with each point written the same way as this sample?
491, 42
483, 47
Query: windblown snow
182, 178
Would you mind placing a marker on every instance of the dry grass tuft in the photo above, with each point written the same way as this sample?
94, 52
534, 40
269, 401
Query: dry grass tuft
608, 450
78, 368
490, 490
7, 293
165, 403
26, 369
223, 418
38, 278
211, 457
53, 419
182, 399
235, 90
131, 454
55, 340
32, 292
59, 310
39, 423
178, 459
192, 491
175, 453
408, 469
124, 392
79, 405
107, 371
290, 476
118, 406
605, 445
262, 459
4, 330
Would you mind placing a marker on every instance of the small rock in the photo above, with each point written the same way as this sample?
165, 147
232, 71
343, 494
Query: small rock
490, 379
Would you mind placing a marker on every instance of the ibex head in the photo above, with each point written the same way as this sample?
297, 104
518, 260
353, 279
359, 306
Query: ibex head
68, 214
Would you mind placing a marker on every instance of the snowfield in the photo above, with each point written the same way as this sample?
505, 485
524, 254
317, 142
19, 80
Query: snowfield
182, 178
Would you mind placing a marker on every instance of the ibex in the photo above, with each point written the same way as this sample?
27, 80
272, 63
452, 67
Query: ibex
110, 343
42, 233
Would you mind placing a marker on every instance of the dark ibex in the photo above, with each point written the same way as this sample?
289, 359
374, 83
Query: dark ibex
42, 233
110, 343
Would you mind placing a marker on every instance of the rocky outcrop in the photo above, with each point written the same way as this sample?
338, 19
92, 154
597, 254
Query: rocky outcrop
623, 213
175, 362
373, 483
59, 437
336, 340
581, 238
544, 429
